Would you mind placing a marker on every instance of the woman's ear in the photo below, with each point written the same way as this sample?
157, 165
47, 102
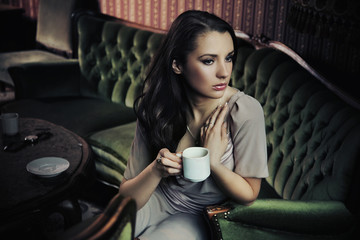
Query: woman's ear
176, 67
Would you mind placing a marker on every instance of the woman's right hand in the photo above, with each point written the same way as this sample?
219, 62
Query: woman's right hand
144, 184
167, 163
214, 134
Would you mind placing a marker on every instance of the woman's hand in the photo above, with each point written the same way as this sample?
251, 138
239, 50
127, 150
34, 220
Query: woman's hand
168, 164
214, 134
144, 184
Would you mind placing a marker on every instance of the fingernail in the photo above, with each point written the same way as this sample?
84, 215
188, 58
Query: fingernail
179, 155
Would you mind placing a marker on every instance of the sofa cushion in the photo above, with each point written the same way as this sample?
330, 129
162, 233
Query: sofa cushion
112, 150
37, 80
10, 59
80, 115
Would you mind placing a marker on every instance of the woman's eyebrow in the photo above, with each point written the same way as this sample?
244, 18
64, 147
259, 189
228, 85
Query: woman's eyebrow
215, 55
208, 55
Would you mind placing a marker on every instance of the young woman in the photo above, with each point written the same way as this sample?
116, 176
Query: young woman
187, 101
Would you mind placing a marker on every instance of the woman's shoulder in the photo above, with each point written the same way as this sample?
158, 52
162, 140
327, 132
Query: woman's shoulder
246, 104
244, 109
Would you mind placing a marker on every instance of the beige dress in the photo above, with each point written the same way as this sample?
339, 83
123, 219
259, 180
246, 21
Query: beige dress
174, 210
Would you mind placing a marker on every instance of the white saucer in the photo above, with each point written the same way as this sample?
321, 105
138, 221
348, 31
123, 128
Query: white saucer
47, 166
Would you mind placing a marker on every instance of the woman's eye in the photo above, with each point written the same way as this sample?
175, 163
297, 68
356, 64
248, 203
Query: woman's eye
229, 58
208, 61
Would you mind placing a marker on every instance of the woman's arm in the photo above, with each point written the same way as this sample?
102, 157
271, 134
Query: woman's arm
143, 185
214, 137
241, 189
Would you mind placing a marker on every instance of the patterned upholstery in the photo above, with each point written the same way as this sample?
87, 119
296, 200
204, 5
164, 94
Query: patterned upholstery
311, 133
114, 61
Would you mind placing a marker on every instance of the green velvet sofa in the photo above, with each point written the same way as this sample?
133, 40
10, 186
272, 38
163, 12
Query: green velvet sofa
313, 129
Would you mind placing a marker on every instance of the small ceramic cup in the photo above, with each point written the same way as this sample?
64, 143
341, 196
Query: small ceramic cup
10, 123
196, 164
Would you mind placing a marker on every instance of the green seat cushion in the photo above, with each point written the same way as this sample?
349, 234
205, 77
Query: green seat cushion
287, 219
112, 149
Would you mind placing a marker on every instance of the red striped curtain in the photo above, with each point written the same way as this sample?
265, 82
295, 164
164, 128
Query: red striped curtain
161, 13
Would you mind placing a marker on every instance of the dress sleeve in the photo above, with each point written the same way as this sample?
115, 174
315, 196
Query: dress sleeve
247, 126
139, 155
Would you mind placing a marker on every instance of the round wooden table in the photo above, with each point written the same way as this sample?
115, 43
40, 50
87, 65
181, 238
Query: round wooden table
25, 196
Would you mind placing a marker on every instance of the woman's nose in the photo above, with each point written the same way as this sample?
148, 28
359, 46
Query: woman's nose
224, 69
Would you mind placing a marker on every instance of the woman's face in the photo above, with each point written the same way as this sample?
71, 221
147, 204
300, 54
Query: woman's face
208, 68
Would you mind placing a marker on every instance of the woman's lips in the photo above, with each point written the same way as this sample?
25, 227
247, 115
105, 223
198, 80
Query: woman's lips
220, 87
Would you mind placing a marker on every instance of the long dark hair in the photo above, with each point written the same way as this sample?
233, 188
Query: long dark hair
162, 107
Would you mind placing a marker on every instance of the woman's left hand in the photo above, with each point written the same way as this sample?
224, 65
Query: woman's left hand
214, 134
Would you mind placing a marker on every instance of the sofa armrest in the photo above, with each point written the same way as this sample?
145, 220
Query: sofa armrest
300, 217
46, 80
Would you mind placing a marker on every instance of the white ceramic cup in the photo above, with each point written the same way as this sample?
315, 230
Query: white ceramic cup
10, 123
196, 164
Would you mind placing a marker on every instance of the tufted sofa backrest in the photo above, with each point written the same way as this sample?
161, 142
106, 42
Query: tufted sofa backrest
113, 57
313, 136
